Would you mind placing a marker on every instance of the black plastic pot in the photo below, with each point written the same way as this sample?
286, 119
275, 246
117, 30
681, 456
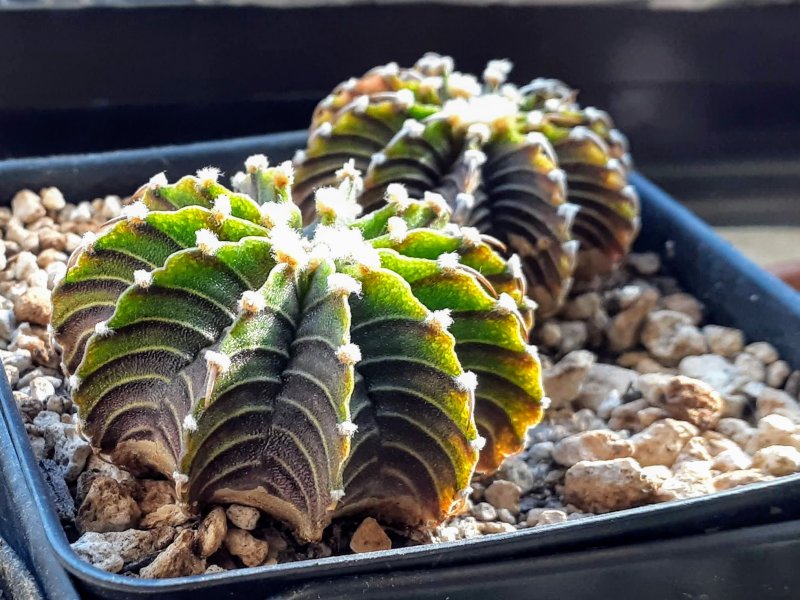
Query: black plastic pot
647, 546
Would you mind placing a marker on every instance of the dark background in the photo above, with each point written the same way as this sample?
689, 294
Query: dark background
709, 98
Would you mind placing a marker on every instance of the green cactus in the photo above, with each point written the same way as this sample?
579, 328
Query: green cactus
526, 165
356, 366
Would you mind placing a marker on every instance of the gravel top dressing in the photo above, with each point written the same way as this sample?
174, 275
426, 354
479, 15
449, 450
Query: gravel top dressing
649, 403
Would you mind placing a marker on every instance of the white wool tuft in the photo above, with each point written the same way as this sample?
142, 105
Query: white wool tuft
480, 132
334, 203
284, 174
218, 361
533, 350
496, 71
346, 428
470, 236
349, 85
439, 320
252, 302
221, 208
535, 118
545, 402
348, 171
430, 84
143, 278
405, 99
478, 443
274, 214
361, 104
102, 329
376, 160
238, 180
179, 478
505, 304
414, 129
74, 382
396, 194
324, 130
88, 241
474, 158
467, 381
347, 244
466, 492
568, 211
340, 283
448, 261
189, 423
552, 104
299, 157
256, 162
288, 247
208, 175
490, 109
135, 212
437, 203
558, 176
337, 495
388, 70
398, 229
158, 180
515, 266
207, 242
348, 354
462, 85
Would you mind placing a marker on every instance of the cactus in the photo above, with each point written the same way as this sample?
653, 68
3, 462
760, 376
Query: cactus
356, 366
526, 165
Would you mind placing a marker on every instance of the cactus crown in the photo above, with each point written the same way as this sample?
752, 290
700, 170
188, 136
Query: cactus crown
362, 365
526, 165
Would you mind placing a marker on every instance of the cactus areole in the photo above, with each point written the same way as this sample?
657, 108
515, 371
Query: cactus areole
362, 365
527, 165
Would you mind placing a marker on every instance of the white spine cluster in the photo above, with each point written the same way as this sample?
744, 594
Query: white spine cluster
207, 242
299, 157
88, 241
467, 381
102, 329
288, 247
274, 214
239, 180
208, 176
136, 212
515, 266
448, 262
143, 278
405, 99
256, 162
388, 70
478, 443
252, 302
505, 304
74, 382
474, 158
568, 211
337, 495
461, 85
347, 244
497, 71
470, 237
361, 104
398, 229
324, 130
190, 423
437, 203
158, 180
546, 402
439, 320
217, 361
341, 283
348, 354
346, 428
480, 132
414, 129
535, 118
284, 174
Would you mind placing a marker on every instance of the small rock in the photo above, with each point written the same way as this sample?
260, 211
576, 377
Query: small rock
153, 494
549, 335
505, 516
792, 386
726, 481
670, 336
243, 517
653, 387
724, 341
644, 263
623, 329
695, 450
690, 479
503, 494
691, 400
774, 430
685, 304
171, 515
53, 199
541, 451
608, 485
214, 569
370, 537
661, 443
658, 474
777, 460
483, 511
516, 470
8, 322
550, 516
716, 371
582, 307
763, 351
573, 336
602, 380
112, 551
731, 460
750, 367
496, 527
42, 389
27, 405
27, 207
563, 381
177, 560
776, 402
212, 532
59, 492
777, 373
737, 430
592, 446
107, 507
33, 306
70, 450
626, 416
650, 415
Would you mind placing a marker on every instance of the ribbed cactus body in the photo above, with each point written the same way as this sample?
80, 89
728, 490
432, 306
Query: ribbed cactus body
358, 366
526, 165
